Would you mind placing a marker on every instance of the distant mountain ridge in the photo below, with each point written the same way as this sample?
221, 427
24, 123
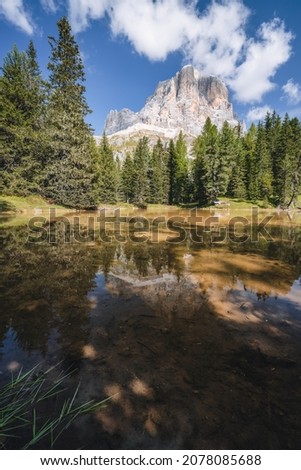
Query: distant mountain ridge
183, 102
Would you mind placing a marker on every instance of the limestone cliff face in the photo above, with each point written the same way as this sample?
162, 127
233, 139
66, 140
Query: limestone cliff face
183, 102
118, 120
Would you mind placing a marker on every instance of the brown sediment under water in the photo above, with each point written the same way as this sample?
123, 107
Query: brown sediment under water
192, 327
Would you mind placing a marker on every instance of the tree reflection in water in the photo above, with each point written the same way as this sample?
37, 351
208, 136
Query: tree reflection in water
198, 343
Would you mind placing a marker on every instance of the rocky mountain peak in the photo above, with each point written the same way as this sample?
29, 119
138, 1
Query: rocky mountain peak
183, 102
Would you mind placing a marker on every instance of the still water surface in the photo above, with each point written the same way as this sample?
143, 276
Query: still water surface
198, 344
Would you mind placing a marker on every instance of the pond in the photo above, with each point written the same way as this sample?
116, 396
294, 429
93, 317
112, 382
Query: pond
190, 321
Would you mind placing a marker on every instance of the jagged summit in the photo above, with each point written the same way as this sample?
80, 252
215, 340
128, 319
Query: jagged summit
181, 103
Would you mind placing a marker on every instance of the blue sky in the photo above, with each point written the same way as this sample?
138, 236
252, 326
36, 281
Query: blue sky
130, 45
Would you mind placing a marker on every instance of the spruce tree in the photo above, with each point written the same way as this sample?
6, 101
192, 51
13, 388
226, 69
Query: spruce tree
248, 144
36, 85
128, 178
181, 171
294, 164
200, 173
261, 168
22, 99
172, 167
141, 170
13, 115
118, 179
237, 182
107, 181
207, 165
273, 125
227, 157
289, 167
159, 184
68, 178
37, 88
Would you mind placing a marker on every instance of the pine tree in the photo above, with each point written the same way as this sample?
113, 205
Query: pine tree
181, 171
172, 157
128, 178
141, 169
158, 175
22, 99
227, 157
13, 115
107, 181
36, 86
261, 168
118, 178
200, 172
289, 164
248, 144
273, 125
294, 164
68, 178
37, 89
237, 182
190, 191
207, 165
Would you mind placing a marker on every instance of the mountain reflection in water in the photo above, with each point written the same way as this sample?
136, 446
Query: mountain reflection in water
198, 344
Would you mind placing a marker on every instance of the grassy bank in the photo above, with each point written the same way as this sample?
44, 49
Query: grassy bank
237, 203
34, 204
17, 210
262, 204
233, 203
18, 204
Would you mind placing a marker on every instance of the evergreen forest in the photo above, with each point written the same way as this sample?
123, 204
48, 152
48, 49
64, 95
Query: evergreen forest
48, 149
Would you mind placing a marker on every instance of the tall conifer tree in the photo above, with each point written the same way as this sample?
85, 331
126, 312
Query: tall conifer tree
172, 166
22, 99
69, 174
107, 181
228, 153
141, 171
237, 182
159, 184
261, 167
289, 168
182, 178
206, 174
128, 178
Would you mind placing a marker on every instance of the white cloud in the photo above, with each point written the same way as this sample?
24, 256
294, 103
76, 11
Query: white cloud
259, 113
154, 29
252, 78
49, 6
292, 91
215, 44
14, 11
80, 11
214, 40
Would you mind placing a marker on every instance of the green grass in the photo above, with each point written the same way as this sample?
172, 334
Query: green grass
23, 402
15, 211
233, 203
241, 203
159, 207
21, 205
237, 203
17, 204
150, 207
